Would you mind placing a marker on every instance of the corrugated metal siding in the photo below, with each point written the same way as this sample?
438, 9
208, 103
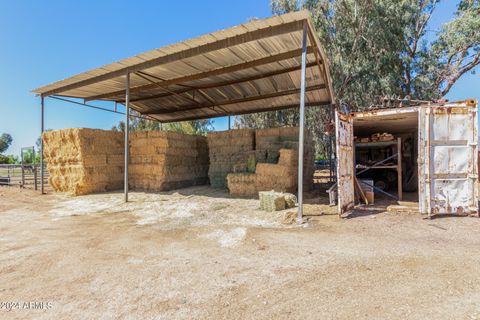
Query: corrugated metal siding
451, 159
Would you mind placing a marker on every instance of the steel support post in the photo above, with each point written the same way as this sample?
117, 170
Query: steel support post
42, 128
301, 130
127, 124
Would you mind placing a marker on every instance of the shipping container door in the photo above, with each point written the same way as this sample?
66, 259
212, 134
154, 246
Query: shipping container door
344, 144
449, 163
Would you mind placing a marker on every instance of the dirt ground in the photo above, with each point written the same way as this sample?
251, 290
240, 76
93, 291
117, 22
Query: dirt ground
199, 254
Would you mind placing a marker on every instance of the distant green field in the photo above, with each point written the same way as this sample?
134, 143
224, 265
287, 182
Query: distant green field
4, 172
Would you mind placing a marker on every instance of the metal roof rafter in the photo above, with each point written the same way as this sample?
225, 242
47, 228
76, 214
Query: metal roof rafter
242, 100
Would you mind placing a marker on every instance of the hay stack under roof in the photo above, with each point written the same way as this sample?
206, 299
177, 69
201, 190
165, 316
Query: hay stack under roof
82, 161
162, 161
229, 152
276, 154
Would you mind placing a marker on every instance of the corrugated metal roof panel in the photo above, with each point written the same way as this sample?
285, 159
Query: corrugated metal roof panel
254, 59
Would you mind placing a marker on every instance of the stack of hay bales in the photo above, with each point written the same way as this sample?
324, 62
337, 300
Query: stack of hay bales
281, 176
276, 153
82, 161
162, 160
269, 142
229, 152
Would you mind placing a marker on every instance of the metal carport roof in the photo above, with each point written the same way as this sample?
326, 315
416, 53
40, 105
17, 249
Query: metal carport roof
253, 67
263, 65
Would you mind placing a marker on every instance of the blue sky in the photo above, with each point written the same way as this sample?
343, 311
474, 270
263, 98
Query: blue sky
45, 41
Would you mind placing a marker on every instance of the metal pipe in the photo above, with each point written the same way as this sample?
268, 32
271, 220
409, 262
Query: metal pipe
99, 108
380, 190
42, 173
127, 124
302, 125
229, 123
377, 164
23, 172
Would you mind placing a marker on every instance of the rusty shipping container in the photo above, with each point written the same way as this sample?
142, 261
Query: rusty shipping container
443, 139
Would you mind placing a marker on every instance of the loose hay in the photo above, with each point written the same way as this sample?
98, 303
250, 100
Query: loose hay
290, 200
289, 217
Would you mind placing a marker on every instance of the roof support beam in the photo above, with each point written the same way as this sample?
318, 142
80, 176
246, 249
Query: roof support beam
284, 107
225, 83
188, 53
242, 100
216, 72
301, 126
145, 76
317, 45
42, 129
127, 125
316, 53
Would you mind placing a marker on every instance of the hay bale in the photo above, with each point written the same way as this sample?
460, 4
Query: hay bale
84, 161
270, 142
163, 160
271, 201
242, 184
229, 152
275, 201
81, 161
272, 154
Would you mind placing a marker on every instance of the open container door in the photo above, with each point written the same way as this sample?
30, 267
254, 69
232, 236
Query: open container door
345, 172
448, 159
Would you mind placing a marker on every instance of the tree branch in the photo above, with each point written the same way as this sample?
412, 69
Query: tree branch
451, 81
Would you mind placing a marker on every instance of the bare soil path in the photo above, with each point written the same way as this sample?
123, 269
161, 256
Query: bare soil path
199, 254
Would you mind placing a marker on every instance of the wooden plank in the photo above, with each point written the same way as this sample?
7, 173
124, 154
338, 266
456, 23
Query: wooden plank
377, 167
360, 190
376, 144
206, 74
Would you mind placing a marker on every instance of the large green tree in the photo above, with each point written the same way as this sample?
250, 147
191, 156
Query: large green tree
5, 142
382, 47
